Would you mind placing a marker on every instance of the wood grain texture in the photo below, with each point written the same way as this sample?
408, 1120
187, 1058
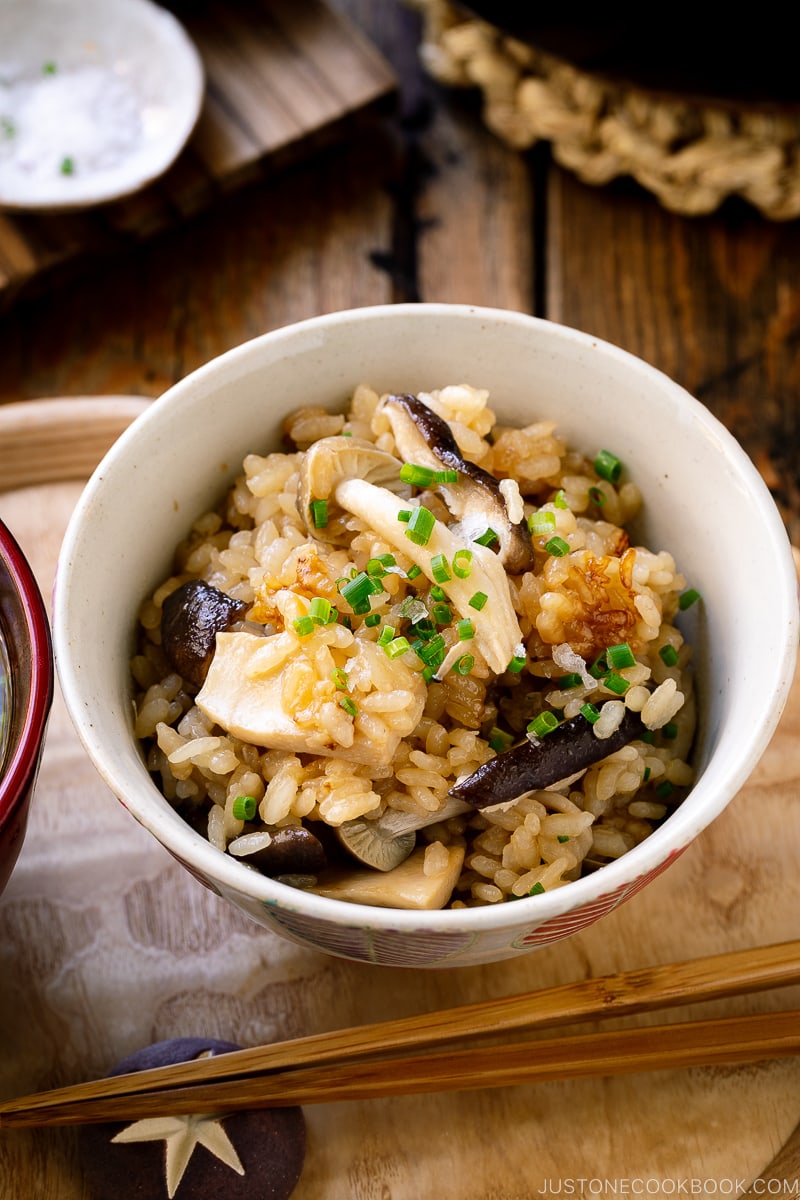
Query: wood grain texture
281, 79
124, 949
713, 302
107, 945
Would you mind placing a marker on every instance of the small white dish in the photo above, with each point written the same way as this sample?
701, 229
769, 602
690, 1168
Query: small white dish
97, 99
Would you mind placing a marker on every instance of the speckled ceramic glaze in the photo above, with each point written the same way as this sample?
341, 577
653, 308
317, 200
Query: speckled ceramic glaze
704, 501
26, 632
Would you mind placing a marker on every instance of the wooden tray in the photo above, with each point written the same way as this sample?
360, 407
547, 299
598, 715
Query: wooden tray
282, 76
107, 945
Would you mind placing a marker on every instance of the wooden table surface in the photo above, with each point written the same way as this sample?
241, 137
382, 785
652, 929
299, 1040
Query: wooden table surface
425, 204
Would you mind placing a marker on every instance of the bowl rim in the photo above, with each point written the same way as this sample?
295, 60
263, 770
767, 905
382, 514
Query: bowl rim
23, 751
684, 824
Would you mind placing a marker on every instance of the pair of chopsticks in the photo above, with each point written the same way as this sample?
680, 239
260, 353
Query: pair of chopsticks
394, 1058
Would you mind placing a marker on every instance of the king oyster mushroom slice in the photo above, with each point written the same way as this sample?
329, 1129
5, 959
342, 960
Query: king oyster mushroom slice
405, 886
326, 463
423, 437
497, 631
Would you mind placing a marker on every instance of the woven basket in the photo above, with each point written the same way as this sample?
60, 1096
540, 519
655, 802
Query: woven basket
690, 154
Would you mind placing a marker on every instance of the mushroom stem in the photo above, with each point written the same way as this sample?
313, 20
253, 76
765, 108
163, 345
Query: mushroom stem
497, 630
423, 437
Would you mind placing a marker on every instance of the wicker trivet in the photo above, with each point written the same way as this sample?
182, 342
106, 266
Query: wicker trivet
691, 155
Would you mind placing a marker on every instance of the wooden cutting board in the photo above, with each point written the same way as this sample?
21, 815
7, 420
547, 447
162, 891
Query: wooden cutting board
283, 77
107, 945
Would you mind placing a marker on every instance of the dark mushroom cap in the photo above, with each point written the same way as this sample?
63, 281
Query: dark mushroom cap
269, 1144
533, 765
191, 618
293, 850
423, 437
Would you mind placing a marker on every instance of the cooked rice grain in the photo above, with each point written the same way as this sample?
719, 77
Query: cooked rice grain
256, 547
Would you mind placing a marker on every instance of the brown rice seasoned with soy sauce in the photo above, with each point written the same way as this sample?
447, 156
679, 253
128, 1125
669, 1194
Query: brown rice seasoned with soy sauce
379, 655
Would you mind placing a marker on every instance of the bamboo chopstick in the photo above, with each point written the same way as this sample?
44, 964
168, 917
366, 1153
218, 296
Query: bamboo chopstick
656, 1047
256, 1076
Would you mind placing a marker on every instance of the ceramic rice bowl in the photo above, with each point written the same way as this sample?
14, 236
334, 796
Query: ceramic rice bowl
703, 501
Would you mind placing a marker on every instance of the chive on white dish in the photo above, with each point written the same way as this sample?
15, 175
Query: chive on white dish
704, 501
97, 99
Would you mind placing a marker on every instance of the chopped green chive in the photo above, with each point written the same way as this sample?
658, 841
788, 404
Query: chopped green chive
442, 614
358, 591
570, 681
446, 476
432, 653
347, 433
464, 665
615, 683
386, 635
414, 571
372, 619
620, 656
333, 616
591, 712
303, 626
319, 513
499, 740
404, 515
562, 837
438, 593
339, 677
665, 789
647, 737
397, 647
319, 610
49, 68
427, 673
420, 526
67, 166
560, 500
487, 539
646, 775
670, 730
376, 569
8, 127
440, 569
537, 890
608, 466
244, 808
599, 667
541, 523
462, 563
516, 664
466, 630
416, 475
668, 655
349, 705
687, 599
478, 601
597, 496
543, 724
557, 547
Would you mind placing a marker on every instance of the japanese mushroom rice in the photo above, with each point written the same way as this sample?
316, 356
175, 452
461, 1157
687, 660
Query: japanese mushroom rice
405, 594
